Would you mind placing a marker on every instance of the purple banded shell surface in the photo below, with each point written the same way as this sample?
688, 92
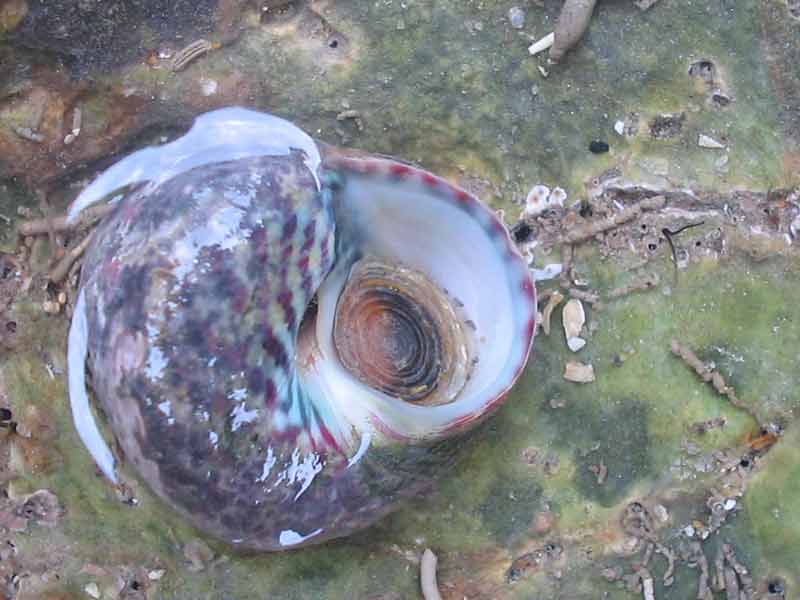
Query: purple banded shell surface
286, 344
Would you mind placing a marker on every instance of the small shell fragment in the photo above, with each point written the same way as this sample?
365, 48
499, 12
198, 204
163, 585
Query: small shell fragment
540, 198
550, 271
578, 372
705, 141
537, 200
427, 576
554, 300
191, 52
573, 318
575, 343
542, 45
557, 197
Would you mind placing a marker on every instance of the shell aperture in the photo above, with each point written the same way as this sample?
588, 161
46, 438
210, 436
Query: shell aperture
286, 343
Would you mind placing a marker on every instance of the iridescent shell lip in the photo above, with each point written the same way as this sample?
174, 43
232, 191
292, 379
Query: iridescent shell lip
395, 172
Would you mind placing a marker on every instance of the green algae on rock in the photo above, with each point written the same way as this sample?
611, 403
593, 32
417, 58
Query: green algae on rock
449, 86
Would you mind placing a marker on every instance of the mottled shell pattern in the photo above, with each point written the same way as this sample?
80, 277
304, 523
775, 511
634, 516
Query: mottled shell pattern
285, 344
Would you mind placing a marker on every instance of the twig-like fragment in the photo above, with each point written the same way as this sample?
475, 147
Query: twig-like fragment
586, 296
628, 214
648, 554
648, 282
739, 569
703, 591
669, 574
427, 576
87, 217
573, 21
26, 133
61, 270
194, 50
77, 118
731, 585
648, 590
542, 45
719, 567
567, 255
715, 378
555, 299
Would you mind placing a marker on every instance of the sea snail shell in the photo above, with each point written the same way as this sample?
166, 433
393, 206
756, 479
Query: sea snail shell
283, 343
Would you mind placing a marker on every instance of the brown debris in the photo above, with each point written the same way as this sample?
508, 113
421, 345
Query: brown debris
630, 213
600, 471
586, 296
36, 423
648, 591
703, 427
731, 584
698, 559
669, 574
353, 115
530, 563
715, 378
741, 571
567, 257
648, 282
62, 269
555, 299
59, 224
42, 507
199, 554
191, 52
637, 522
578, 372
719, 567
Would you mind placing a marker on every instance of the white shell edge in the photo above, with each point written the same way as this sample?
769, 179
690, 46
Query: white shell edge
217, 136
82, 415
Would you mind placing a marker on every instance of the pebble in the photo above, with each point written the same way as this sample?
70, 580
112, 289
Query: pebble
516, 16
705, 141
730, 504
619, 127
92, 590
688, 531
598, 147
